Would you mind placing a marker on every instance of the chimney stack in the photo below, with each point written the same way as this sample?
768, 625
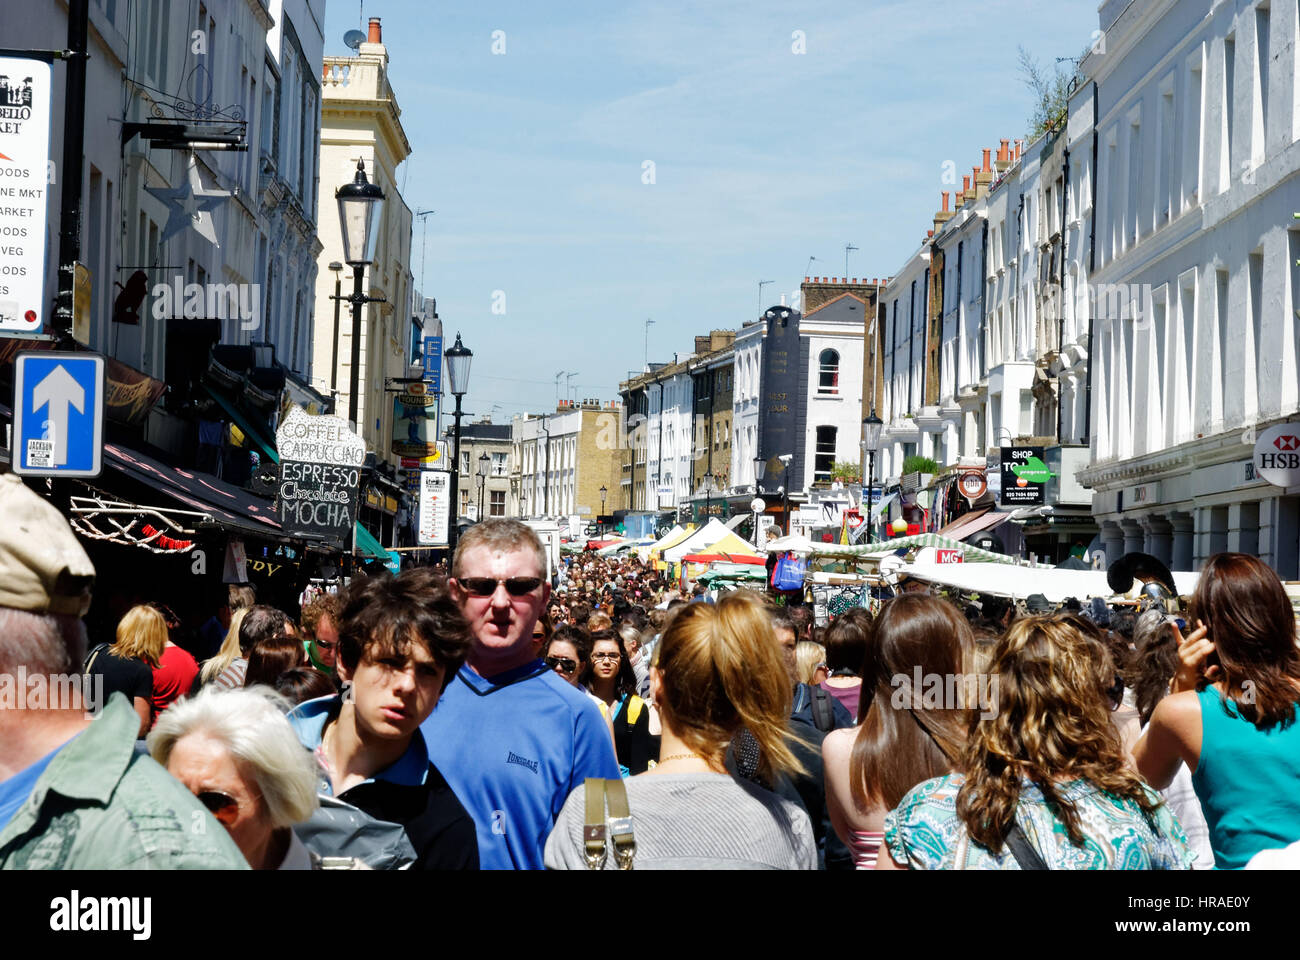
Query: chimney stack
1004, 156
1019, 147
944, 214
984, 176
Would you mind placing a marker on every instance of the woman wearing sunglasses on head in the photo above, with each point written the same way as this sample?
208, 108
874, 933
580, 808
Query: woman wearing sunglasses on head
612, 681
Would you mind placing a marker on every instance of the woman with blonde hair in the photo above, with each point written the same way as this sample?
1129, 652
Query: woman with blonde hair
810, 662
1045, 782
127, 665
903, 736
717, 669
227, 655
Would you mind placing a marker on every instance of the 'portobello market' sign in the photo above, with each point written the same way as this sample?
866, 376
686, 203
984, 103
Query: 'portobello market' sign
320, 476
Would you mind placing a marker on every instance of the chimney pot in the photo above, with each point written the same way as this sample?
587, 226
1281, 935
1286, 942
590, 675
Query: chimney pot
944, 194
1004, 150
987, 167
929, 233
965, 184
376, 32
807, 279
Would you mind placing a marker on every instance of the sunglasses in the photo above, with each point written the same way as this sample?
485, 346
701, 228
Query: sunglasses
220, 805
606, 656
486, 586
563, 664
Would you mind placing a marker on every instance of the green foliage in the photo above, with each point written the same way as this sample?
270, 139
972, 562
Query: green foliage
919, 464
1051, 91
846, 471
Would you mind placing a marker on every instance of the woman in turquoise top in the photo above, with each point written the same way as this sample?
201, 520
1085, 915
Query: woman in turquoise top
1232, 711
1045, 761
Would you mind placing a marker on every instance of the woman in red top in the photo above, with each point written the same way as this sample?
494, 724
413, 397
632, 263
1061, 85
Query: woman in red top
173, 668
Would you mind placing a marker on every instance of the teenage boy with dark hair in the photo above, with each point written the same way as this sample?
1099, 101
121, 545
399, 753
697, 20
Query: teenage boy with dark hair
401, 641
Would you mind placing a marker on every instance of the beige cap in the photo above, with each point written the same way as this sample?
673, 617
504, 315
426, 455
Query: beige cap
42, 566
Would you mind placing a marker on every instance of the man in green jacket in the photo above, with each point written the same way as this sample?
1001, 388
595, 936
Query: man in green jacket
74, 794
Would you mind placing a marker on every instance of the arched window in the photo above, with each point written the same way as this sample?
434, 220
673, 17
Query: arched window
828, 380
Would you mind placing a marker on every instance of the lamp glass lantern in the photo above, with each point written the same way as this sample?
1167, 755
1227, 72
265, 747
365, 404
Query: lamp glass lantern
458, 359
484, 464
360, 203
871, 429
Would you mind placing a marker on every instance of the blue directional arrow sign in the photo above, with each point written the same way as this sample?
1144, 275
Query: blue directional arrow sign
58, 414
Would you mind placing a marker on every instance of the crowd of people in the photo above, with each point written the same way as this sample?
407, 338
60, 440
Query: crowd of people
492, 716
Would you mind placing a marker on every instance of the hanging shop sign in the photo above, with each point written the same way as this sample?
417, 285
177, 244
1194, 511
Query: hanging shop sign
1024, 477
24, 184
972, 485
414, 423
1277, 455
320, 477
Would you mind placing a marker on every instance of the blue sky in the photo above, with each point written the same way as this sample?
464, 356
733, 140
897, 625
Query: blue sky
535, 159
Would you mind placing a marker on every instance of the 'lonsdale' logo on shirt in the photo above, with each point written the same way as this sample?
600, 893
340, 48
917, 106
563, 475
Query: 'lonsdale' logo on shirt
522, 761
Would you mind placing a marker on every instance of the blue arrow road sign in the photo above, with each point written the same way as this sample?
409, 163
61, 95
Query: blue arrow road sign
58, 414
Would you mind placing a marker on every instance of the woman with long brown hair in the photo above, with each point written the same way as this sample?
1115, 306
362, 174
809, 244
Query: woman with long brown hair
903, 737
1043, 775
718, 669
1231, 712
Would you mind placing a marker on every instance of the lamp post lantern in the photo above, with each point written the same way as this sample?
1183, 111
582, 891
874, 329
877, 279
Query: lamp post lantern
604, 492
871, 428
484, 465
458, 359
360, 203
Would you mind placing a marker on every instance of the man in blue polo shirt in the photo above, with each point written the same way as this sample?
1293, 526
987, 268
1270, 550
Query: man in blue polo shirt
512, 738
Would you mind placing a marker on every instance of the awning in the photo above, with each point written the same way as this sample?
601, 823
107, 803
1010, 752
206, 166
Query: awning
879, 508
367, 545
953, 531
257, 436
228, 506
737, 520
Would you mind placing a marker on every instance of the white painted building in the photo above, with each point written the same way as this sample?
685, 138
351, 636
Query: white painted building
745, 402
831, 342
251, 66
1194, 282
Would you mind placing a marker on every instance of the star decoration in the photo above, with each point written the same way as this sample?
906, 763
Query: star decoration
190, 205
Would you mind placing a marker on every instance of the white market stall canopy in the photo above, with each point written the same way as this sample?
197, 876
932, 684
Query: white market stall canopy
996, 579
917, 542
706, 536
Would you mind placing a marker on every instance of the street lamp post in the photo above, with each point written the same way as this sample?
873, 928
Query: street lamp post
458, 359
758, 504
360, 203
334, 361
871, 428
484, 464
785, 489
604, 492
708, 493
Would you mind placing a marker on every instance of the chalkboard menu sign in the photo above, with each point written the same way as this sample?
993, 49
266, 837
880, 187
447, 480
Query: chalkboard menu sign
780, 400
320, 477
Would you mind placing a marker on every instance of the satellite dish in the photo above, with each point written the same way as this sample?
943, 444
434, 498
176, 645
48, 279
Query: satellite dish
354, 39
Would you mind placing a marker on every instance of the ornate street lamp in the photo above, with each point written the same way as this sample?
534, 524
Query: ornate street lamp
871, 428
604, 492
360, 204
458, 359
484, 465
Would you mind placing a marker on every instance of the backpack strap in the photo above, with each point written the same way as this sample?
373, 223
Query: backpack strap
619, 828
634, 705
823, 712
1023, 850
94, 655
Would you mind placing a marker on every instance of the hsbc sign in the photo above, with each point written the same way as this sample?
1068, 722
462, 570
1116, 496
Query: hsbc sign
1277, 455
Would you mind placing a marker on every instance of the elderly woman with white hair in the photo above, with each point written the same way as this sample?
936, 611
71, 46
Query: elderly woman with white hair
237, 753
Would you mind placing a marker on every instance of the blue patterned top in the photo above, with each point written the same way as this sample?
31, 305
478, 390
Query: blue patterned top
925, 833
